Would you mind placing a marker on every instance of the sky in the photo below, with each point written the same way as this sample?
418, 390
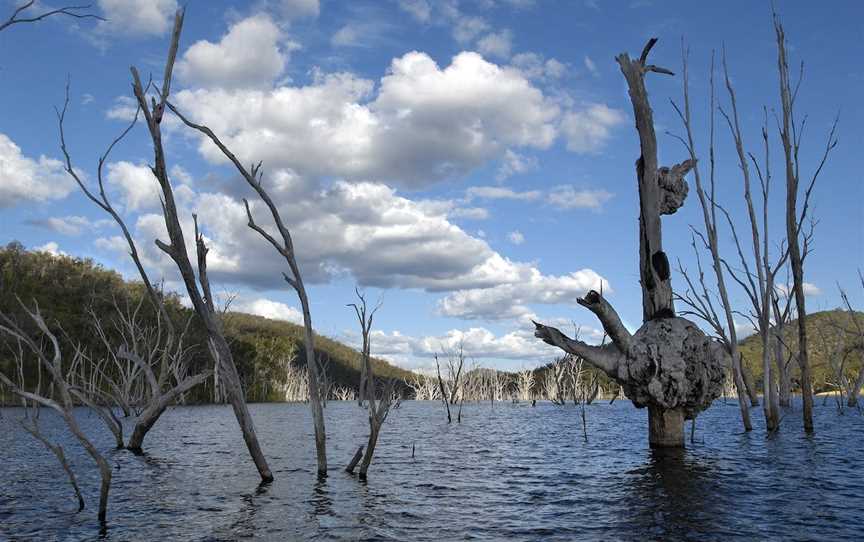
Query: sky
471, 163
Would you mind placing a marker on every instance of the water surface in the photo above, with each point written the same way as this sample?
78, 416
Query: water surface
511, 472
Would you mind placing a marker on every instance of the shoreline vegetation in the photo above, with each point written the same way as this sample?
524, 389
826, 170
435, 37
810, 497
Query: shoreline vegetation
269, 352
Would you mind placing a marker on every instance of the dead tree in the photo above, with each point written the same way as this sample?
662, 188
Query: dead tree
525, 385
425, 388
61, 388
450, 390
254, 177
197, 287
790, 136
166, 354
21, 14
378, 408
856, 345
669, 365
30, 420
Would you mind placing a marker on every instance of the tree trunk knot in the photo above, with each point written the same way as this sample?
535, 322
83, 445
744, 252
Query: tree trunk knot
671, 363
673, 187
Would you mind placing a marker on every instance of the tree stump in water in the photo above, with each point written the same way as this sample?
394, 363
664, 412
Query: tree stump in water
669, 364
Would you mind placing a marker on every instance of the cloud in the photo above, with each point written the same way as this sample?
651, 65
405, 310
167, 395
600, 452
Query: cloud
51, 248
588, 130
124, 108
425, 124
514, 163
513, 299
298, 9
568, 197
500, 192
136, 184
269, 309
496, 44
810, 289
24, 179
590, 66
418, 9
69, 225
137, 17
509, 350
248, 56
535, 66
516, 237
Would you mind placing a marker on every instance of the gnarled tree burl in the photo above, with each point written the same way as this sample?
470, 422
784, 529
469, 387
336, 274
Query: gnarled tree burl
669, 364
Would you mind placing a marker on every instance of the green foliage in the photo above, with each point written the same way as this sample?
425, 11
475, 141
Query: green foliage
67, 288
822, 331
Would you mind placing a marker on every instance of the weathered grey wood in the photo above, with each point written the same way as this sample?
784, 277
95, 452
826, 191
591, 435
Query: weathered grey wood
669, 365
354, 460
202, 300
64, 405
702, 305
19, 16
285, 248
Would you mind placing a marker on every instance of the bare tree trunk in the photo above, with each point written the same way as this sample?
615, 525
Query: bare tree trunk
202, 299
665, 427
150, 415
62, 388
669, 365
370, 449
358, 455
790, 137
57, 450
285, 248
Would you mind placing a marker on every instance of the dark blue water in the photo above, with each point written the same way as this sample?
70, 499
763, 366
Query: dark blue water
509, 473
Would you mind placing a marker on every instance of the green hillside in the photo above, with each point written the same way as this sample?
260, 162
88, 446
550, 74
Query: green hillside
66, 288
823, 335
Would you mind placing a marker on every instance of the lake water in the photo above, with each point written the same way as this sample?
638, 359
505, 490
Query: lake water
511, 472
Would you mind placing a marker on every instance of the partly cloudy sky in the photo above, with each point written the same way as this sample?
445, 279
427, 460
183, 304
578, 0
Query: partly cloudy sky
470, 161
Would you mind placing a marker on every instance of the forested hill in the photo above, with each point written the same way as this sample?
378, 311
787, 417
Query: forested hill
69, 290
826, 343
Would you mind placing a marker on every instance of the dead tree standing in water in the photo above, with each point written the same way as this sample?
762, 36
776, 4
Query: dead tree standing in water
254, 177
669, 365
61, 388
378, 408
451, 390
197, 287
790, 136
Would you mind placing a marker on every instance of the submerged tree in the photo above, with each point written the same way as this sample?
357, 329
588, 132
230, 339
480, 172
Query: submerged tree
378, 408
669, 365
285, 247
60, 395
197, 285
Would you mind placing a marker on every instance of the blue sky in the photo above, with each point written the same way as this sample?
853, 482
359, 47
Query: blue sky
470, 161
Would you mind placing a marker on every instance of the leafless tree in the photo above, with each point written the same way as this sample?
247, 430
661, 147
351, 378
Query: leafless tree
197, 287
378, 408
654, 366
60, 388
254, 177
525, 384
32, 413
855, 345
23, 14
450, 388
158, 355
700, 301
790, 135
425, 388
